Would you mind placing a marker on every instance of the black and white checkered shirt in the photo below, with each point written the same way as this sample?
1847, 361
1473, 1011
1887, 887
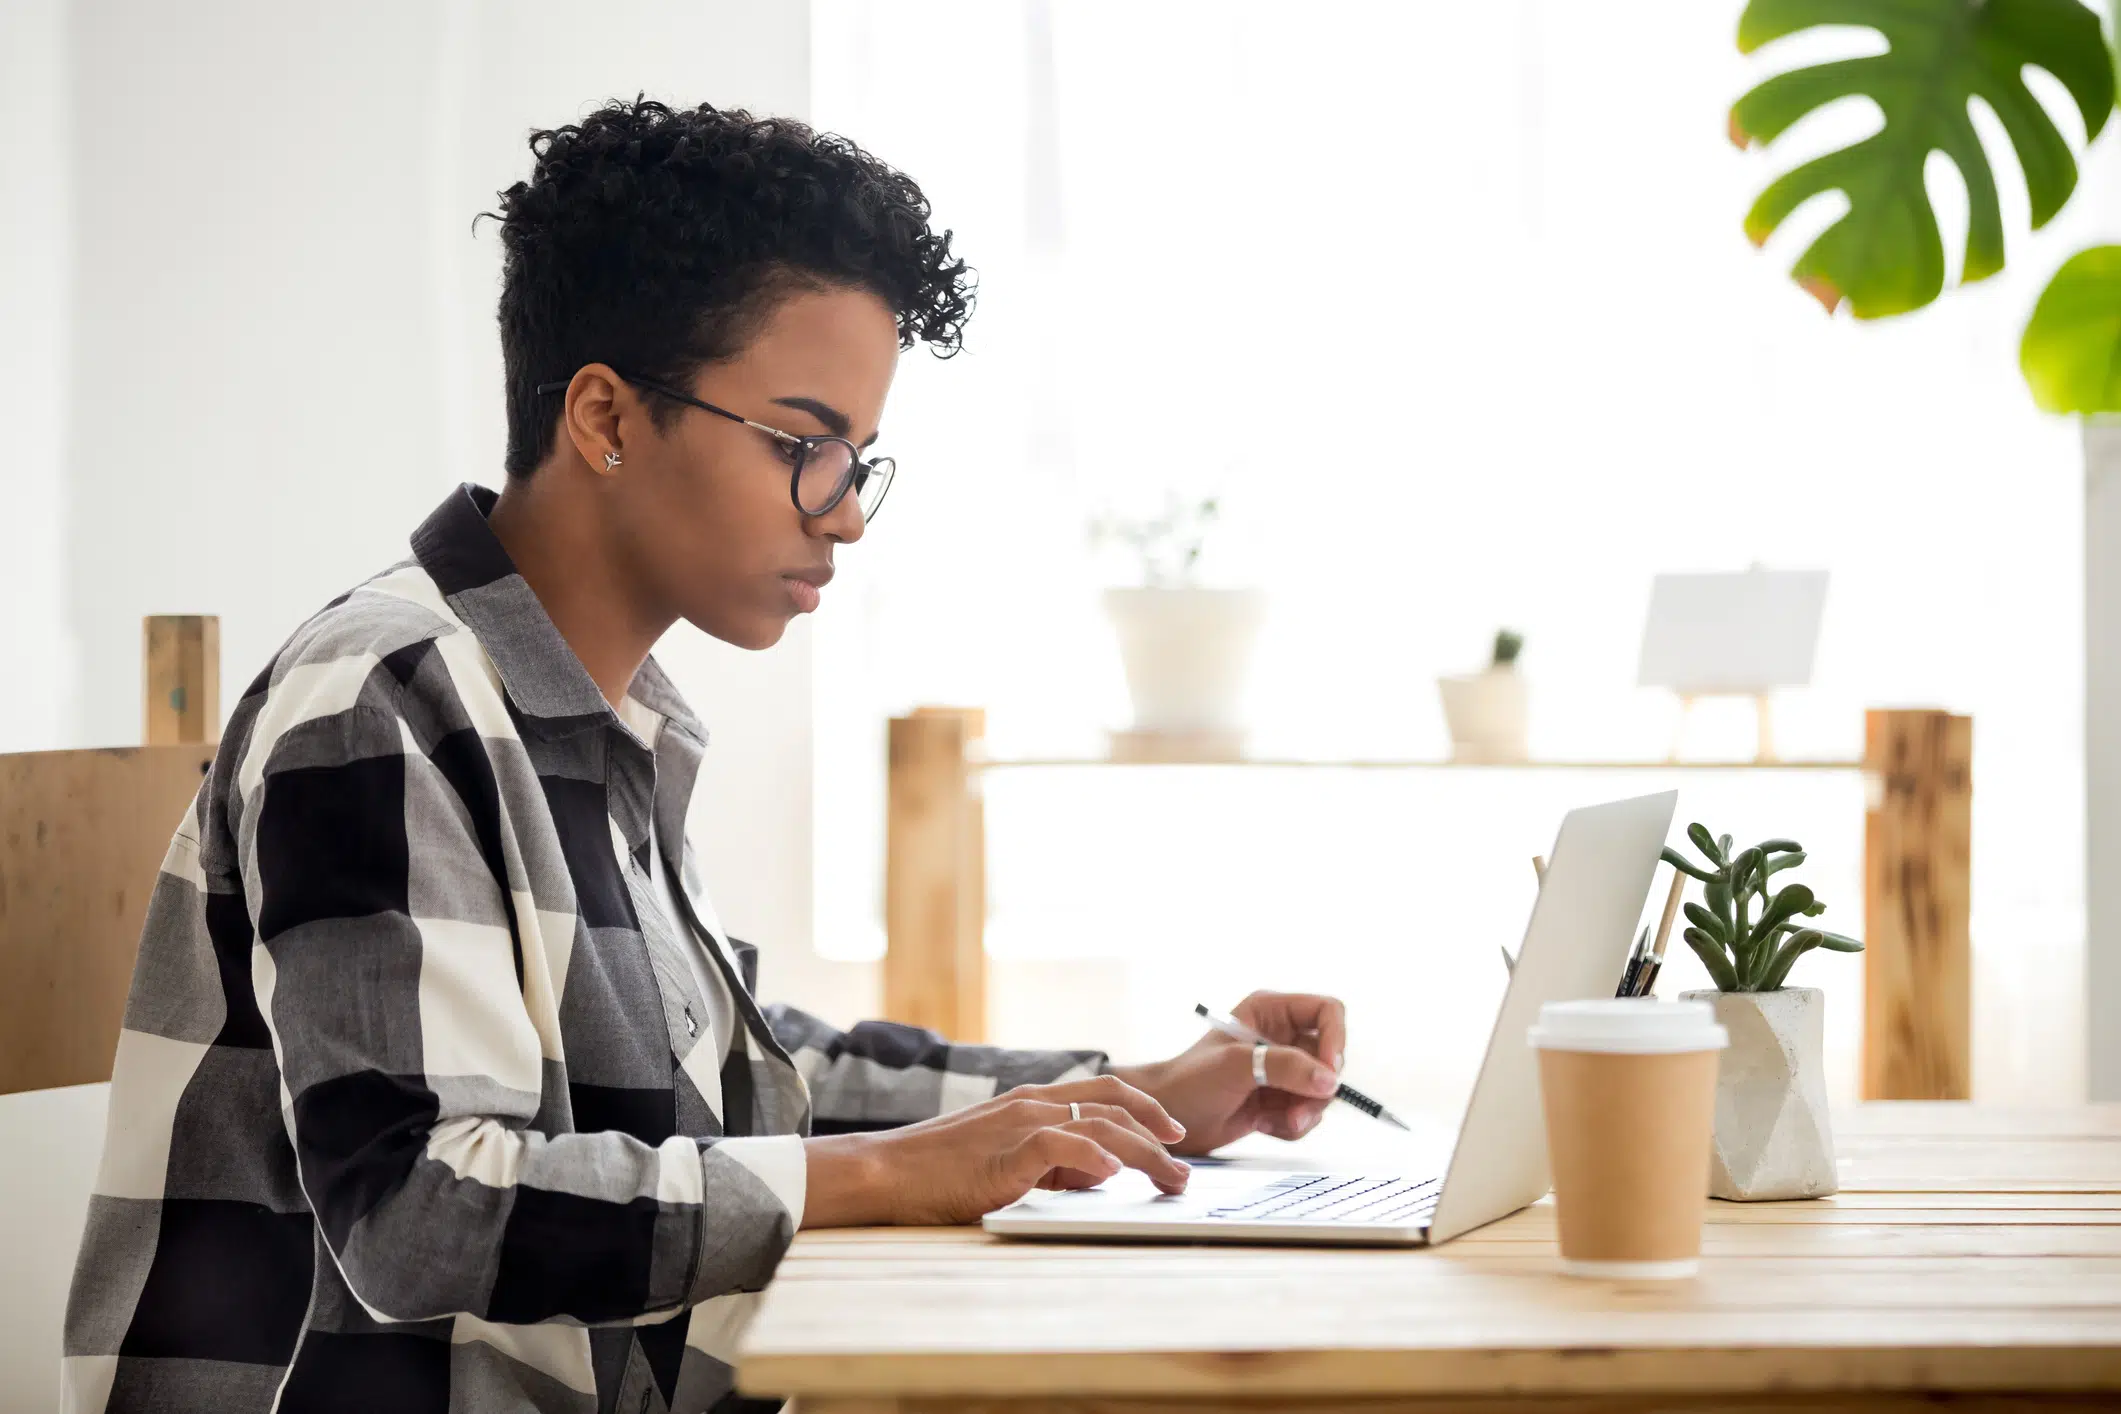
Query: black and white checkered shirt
416, 1107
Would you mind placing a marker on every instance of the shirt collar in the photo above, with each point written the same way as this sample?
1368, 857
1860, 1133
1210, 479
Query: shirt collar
541, 674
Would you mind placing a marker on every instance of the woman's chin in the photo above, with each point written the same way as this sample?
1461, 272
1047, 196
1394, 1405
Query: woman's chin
753, 633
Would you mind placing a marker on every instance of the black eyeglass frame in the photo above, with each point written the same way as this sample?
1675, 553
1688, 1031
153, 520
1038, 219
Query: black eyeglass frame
857, 469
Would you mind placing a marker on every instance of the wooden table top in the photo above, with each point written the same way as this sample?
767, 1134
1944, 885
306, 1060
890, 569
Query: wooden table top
1971, 1249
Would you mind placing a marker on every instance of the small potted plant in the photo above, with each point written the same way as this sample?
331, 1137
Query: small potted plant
1772, 1135
1485, 711
1187, 649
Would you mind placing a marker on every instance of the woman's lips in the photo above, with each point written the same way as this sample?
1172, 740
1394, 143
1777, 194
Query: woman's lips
806, 595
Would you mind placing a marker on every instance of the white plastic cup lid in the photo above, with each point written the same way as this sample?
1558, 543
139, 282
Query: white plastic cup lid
1628, 1026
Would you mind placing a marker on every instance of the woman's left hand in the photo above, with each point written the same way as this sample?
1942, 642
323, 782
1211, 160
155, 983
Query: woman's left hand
1210, 1088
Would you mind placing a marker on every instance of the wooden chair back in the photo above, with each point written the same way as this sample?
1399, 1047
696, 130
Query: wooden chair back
82, 839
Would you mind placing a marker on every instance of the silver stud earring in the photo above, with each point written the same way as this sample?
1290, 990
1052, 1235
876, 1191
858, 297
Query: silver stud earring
611, 461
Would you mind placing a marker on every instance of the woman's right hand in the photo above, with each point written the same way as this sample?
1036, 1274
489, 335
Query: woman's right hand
959, 1167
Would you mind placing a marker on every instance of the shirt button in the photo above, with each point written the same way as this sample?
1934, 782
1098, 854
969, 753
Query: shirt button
692, 1028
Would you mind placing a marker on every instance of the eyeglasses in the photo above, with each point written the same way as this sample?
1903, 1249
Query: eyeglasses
822, 470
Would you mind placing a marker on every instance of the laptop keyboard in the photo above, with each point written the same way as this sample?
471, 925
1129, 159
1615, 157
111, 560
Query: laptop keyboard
1334, 1198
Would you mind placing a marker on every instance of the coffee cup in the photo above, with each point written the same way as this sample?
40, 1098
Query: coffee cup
1629, 1089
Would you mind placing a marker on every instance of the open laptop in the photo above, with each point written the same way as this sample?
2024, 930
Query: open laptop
1597, 880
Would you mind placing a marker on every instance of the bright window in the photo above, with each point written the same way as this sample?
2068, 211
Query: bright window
1451, 305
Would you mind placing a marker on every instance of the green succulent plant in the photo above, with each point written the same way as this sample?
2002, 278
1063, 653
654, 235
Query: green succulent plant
1508, 644
1744, 949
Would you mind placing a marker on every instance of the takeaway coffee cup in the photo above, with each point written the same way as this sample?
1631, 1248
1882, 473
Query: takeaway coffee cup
1629, 1087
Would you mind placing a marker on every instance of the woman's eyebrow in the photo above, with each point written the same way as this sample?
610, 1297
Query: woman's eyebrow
826, 413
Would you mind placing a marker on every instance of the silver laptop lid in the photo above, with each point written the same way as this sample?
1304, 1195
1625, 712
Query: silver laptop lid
1597, 881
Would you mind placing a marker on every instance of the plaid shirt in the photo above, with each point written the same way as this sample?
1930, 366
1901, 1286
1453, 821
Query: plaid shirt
415, 1107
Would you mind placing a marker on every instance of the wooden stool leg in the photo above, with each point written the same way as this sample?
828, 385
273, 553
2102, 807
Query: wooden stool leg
1918, 956
935, 972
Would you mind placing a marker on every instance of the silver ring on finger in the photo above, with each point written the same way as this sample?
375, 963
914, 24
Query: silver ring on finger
1075, 1111
1259, 1064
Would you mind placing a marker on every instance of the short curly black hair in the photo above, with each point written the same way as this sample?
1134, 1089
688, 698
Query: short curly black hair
658, 241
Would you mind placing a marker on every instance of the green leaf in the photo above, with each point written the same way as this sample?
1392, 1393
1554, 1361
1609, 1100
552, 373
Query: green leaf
1713, 959
1787, 861
1686, 866
2071, 352
1704, 842
1784, 906
1779, 968
1886, 255
1744, 947
1706, 921
1723, 847
1779, 847
2113, 35
1746, 877
1835, 942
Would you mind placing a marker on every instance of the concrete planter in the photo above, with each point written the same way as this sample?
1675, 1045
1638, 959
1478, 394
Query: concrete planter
1486, 714
1187, 653
1773, 1139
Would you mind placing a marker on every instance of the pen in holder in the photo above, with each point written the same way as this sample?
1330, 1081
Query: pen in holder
1646, 959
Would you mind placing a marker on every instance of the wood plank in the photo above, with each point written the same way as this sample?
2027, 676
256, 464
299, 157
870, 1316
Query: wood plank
1851, 1297
971, 998
1591, 1360
82, 838
1824, 1402
1918, 957
935, 954
1396, 763
180, 679
1833, 1241
1932, 1119
1968, 1164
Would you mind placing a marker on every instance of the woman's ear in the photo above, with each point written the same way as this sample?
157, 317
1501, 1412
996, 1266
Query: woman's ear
595, 403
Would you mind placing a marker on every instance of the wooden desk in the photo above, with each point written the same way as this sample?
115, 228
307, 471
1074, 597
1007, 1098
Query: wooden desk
1972, 1262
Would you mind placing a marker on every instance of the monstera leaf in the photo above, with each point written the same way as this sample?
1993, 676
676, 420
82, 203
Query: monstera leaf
1886, 255
2071, 352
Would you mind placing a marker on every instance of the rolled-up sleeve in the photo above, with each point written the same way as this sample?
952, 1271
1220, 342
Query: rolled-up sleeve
881, 1074
388, 966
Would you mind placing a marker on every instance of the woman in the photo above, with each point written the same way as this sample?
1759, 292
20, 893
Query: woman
440, 1086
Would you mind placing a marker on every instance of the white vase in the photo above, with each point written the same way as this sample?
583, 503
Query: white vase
1486, 714
1188, 653
1773, 1139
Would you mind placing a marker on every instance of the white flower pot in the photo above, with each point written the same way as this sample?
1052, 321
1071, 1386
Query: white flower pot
1773, 1139
1485, 713
1187, 653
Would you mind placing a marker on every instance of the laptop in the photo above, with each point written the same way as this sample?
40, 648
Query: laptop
1597, 881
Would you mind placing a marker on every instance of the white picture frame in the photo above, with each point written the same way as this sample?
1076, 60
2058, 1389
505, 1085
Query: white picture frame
1743, 634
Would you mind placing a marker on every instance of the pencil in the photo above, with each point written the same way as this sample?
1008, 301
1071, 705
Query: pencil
1655, 963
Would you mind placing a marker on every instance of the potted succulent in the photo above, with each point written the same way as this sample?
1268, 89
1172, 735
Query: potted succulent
1485, 711
1772, 1135
1187, 649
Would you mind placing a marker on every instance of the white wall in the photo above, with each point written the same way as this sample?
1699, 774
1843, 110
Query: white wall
255, 347
2098, 206
282, 334
34, 221
2102, 759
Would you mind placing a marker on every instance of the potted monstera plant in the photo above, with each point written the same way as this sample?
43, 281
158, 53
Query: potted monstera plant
1886, 255
1773, 1139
